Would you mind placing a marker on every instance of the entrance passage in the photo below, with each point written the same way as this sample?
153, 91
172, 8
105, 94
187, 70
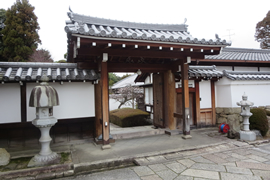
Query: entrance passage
179, 107
158, 120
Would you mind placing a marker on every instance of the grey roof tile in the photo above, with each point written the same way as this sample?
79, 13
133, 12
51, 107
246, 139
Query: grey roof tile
10, 71
245, 75
94, 26
206, 72
241, 54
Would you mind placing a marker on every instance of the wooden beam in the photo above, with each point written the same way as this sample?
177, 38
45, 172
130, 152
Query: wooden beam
197, 102
23, 102
185, 99
98, 109
213, 102
152, 44
105, 103
139, 53
169, 100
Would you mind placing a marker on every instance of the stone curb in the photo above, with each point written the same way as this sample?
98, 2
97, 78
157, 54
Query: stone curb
38, 173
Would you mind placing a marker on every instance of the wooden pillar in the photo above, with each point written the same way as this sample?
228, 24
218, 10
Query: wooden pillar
105, 103
98, 110
23, 102
169, 100
185, 98
213, 102
197, 97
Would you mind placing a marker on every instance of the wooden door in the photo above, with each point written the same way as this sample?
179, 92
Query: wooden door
158, 120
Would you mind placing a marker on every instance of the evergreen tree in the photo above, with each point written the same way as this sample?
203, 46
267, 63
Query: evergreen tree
262, 34
20, 35
2, 21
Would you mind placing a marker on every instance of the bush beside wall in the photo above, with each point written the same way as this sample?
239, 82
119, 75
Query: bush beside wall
259, 120
128, 117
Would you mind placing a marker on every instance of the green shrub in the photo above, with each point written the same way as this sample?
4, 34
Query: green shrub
267, 112
128, 117
259, 120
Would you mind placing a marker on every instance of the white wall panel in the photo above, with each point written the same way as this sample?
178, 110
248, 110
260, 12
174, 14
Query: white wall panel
10, 103
237, 68
76, 100
205, 94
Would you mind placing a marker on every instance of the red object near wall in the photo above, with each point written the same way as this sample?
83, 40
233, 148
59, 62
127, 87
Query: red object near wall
224, 128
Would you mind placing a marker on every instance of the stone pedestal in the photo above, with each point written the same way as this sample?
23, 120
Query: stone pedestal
45, 156
4, 157
247, 135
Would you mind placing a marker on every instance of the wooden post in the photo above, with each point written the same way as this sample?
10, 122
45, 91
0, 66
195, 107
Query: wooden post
213, 102
185, 99
98, 110
105, 103
23, 102
169, 100
197, 97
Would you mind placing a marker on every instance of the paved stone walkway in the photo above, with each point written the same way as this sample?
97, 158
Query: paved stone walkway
226, 162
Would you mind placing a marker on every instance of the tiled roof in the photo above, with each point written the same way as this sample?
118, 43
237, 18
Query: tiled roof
205, 72
25, 71
241, 54
240, 75
93, 26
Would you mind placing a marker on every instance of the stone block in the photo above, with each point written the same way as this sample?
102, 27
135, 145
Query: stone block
221, 120
46, 176
236, 110
68, 173
107, 146
227, 110
247, 135
219, 110
4, 157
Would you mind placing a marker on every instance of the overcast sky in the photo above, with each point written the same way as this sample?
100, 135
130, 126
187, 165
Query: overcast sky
233, 20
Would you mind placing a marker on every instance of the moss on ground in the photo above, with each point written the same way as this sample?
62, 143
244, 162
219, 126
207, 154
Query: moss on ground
21, 163
128, 117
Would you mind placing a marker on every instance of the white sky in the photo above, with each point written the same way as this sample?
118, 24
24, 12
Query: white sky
204, 17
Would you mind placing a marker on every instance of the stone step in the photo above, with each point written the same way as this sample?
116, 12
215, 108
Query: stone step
129, 133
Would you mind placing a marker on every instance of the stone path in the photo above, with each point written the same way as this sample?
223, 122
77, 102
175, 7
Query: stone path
226, 162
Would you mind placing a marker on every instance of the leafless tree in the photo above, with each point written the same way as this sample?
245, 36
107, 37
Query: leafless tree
127, 95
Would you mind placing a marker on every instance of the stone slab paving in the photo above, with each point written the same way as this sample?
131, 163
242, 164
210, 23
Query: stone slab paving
241, 163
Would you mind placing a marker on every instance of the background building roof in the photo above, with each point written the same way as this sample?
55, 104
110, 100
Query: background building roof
128, 81
242, 75
244, 54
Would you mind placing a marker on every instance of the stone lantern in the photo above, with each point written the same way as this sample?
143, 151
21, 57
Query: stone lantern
44, 97
245, 133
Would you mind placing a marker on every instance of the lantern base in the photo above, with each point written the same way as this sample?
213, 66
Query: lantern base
247, 135
40, 160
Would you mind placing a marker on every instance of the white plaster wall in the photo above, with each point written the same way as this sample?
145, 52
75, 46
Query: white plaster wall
205, 94
229, 92
10, 103
148, 97
221, 68
237, 68
76, 100
113, 104
223, 93
264, 68
258, 92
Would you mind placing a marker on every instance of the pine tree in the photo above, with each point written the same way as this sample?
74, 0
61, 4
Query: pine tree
2, 21
262, 34
20, 35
